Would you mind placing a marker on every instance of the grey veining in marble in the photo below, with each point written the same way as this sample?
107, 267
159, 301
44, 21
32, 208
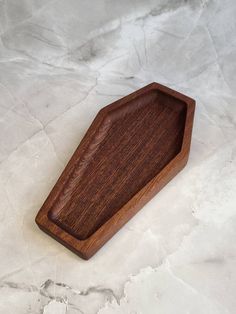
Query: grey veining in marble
60, 62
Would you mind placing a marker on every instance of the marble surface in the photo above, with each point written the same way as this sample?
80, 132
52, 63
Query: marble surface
60, 62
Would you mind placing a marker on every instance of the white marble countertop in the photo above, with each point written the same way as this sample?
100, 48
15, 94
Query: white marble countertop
60, 62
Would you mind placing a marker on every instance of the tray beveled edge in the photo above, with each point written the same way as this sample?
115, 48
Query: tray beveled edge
88, 247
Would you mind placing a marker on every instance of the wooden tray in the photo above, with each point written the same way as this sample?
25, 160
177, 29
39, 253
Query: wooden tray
132, 149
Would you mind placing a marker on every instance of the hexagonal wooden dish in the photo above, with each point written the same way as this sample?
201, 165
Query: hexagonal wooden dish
131, 150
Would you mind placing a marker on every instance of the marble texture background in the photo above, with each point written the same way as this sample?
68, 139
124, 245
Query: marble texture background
60, 62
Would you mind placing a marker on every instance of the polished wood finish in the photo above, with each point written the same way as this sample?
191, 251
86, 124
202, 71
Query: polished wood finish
132, 149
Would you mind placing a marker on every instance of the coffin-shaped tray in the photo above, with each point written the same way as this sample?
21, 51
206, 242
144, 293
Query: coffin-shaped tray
132, 149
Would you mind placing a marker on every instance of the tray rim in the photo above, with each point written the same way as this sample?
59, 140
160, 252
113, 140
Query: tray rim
88, 247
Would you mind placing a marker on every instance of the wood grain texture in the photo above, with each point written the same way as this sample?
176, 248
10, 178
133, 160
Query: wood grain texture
132, 149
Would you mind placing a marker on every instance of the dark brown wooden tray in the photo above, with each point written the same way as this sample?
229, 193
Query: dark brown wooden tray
132, 149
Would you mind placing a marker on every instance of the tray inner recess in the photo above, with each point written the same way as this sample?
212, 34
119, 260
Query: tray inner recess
133, 144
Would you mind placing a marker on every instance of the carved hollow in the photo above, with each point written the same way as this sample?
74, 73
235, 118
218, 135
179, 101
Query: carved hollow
132, 145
